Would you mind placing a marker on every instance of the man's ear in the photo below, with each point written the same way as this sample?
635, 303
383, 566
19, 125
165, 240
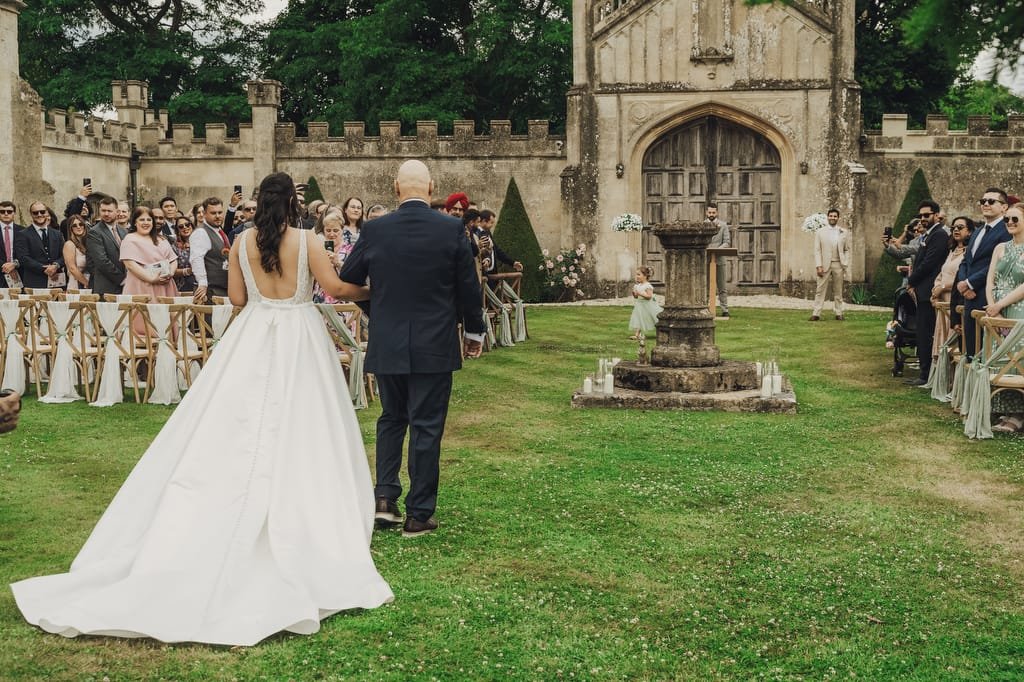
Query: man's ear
430, 189
397, 191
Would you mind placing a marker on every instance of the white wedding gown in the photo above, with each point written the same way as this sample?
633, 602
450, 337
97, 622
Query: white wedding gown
251, 512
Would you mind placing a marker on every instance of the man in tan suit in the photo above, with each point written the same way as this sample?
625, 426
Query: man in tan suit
831, 263
722, 239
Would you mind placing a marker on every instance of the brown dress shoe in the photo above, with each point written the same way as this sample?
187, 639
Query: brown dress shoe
839, 317
387, 514
414, 528
814, 318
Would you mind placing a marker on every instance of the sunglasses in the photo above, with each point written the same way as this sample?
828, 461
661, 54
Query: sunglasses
1012, 219
990, 202
922, 216
40, 212
6, 210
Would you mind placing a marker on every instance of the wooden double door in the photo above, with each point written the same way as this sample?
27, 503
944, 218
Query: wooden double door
712, 159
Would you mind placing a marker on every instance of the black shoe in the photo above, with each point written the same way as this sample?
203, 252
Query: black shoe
414, 528
839, 317
814, 318
915, 382
725, 313
387, 514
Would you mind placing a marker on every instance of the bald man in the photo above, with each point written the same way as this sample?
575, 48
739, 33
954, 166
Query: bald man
424, 284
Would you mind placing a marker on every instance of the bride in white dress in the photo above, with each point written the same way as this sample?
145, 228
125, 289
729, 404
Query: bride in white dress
252, 511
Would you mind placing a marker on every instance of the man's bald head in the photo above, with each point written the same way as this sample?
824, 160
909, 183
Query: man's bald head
413, 181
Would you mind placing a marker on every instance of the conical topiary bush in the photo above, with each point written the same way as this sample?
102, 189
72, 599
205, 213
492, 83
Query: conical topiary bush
514, 233
313, 191
886, 280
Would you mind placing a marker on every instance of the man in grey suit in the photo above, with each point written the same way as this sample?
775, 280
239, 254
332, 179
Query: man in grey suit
103, 251
721, 240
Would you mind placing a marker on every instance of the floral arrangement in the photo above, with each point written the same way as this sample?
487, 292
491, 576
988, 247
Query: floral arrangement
565, 270
815, 222
628, 222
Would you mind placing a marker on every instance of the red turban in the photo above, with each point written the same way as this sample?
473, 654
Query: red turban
457, 198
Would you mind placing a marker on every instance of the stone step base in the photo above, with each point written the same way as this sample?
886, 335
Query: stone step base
732, 401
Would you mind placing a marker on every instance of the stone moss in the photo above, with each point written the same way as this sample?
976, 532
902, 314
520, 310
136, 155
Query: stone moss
887, 280
514, 233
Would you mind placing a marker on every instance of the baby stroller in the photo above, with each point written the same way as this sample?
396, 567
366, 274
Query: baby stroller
900, 332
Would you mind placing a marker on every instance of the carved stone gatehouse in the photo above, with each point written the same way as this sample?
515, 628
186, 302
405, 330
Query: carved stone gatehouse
673, 103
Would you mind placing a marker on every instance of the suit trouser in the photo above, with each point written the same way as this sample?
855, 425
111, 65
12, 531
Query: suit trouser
977, 303
834, 277
419, 403
723, 300
925, 331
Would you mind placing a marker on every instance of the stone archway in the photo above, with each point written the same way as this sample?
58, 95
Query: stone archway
713, 159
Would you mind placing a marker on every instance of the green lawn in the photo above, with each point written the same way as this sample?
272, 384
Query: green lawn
865, 536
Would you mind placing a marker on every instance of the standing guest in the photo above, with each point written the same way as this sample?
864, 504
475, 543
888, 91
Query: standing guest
333, 240
103, 251
318, 226
8, 230
158, 218
721, 240
209, 253
306, 221
148, 258
831, 263
456, 205
169, 209
197, 214
78, 206
921, 280
75, 259
488, 220
183, 277
40, 250
973, 270
419, 294
375, 211
231, 213
352, 213
1004, 286
943, 289
316, 208
244, 220
124, 214
438, 205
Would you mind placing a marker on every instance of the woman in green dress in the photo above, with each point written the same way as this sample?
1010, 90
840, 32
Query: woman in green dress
1005, 289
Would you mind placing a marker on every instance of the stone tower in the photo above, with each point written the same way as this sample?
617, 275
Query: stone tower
676, 103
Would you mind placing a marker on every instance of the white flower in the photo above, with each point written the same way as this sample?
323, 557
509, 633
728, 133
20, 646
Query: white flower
559, 258
627, 222
544, 252
815, 222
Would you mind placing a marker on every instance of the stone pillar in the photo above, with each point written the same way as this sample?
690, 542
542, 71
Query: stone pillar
686, 327
9, 86
265, 100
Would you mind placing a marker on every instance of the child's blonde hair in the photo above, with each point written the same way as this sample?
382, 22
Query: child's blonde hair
645, 271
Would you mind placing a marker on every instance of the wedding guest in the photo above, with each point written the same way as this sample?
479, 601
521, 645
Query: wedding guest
1004, 288
316, 208
8, 229
103, 249
244, 220
78, 206
169, 209
943, 289
334, 241
318, 226
183, 277
39, 248
352, 212
148, 258
209, 253
75, 259
375, 211
456, 204
124, 214
488, 220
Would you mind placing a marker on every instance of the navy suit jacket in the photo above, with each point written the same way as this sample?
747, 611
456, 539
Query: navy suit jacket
423, 282
974, 267
33, 257
928, 263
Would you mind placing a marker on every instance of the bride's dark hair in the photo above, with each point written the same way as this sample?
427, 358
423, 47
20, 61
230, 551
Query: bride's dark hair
276, 208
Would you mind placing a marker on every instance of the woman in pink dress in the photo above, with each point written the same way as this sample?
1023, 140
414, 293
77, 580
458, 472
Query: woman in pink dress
74, 254
962, 228
149, 260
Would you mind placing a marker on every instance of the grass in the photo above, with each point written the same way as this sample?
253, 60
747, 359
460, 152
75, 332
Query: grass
865, 536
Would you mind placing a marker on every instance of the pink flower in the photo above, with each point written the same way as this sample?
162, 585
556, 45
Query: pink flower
549, 264
571, 268
563, 268
565, 281
559, 259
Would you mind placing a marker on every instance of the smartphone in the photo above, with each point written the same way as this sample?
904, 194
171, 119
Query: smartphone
86, 182
887, 232
329, 244
238, 189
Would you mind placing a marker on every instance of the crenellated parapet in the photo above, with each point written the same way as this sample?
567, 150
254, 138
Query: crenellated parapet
978, 138
76, 132
464, 142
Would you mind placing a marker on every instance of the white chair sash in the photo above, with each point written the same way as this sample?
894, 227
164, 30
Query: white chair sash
507, 289
73, 298
504, 323
165, 373
111, 389
489, 330
979, 393
14, 362
940, 368
356, 384
62, 387
219, 322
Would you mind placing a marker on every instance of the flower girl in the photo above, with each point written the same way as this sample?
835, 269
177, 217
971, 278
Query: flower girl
645, 309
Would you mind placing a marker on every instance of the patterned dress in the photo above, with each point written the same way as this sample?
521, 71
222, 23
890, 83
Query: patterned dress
1009, 276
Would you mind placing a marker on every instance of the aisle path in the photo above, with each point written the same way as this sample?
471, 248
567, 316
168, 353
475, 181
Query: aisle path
737, 301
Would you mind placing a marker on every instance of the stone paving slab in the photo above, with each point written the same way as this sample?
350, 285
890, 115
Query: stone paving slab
733, 401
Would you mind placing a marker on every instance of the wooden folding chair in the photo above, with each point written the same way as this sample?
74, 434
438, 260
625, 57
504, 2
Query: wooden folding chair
42, 335
119, 337
86, 340
15, 317
191, 348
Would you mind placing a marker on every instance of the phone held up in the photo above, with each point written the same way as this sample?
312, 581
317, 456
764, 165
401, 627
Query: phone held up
887, 232
238, 189
329, 245
86, 182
